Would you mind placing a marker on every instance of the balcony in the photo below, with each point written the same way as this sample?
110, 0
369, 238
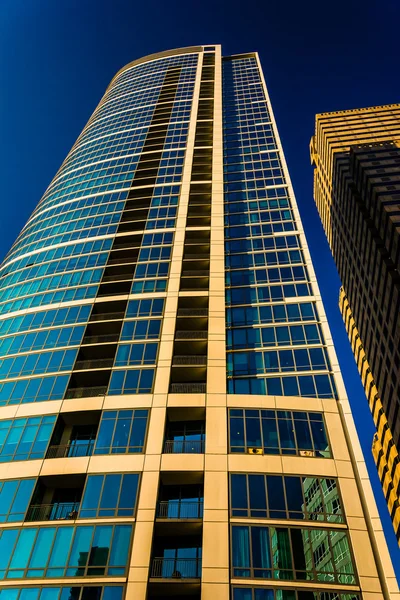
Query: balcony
190, 360
57, 511
176, 568
184, 446
180, 509
71, 450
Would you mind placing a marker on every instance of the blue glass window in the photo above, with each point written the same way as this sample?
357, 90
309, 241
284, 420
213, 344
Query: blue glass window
112, 495
79, 551
285, 497
15, 495
284, 553
264, 593
25, 438
278, 432
122, 432
92, 592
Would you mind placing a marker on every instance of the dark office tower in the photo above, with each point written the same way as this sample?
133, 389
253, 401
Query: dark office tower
356, 154
173, 417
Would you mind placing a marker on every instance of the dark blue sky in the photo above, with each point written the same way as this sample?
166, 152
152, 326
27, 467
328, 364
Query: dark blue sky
58, 56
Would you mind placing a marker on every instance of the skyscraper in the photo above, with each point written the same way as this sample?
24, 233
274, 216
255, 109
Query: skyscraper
357, 192
173, 415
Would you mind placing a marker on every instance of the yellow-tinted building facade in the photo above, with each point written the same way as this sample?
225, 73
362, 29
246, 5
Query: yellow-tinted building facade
173, 417
356, 157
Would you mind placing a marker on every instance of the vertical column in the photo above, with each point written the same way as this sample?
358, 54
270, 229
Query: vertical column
215, 574
144, 527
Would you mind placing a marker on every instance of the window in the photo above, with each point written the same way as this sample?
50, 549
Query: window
278, 432
292, 553
64, 551
15, 495
134, 381
264, 593
92, 592
112, 495
25, 438
121, 432
285, 497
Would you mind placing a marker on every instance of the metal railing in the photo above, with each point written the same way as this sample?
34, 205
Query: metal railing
107, 317
117, 277
194, 360
188, 388
196, 273
199, 256
184, 446
192, 312
179, 509
85, 392
176, 568
99, 363
98, 339
71, 450
191, 335
53, 512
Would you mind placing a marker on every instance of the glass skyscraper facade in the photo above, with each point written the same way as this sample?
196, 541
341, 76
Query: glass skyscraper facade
173, 419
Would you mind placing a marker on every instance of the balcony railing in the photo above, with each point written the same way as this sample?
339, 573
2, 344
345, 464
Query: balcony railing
179, 509
194, 360
192, 312
196, 273
99, 339
107, 317
53, 512
86, 392
176, 568
191, 335
71, 450
98, 363
188, 388
184, 447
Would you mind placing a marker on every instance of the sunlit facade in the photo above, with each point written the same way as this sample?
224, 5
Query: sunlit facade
173, 418
356, 155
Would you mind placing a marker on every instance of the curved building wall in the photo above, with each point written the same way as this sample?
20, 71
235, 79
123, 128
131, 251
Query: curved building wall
152, 444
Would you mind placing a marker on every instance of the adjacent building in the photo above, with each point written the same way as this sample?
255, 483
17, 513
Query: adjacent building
356, 154
173, 417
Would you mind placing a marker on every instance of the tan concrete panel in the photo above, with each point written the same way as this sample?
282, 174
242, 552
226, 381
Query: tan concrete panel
114, 463
148, 490
314, 466
136, 590
215, 490
182, 462
79, 404
214, 591
25, 468
62, 466
155, 435
244, 463
351, 500
216, 430
216, 462
127, 401
215, 546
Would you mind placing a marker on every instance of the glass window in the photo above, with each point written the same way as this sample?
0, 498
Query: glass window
278, 432
25, 438
92, 592
285, 497
15, 495
112, 495
80, 551
122, 432
264, 593
292, 553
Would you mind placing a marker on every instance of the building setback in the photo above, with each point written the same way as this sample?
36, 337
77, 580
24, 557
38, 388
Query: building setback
174, 418
356, 155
